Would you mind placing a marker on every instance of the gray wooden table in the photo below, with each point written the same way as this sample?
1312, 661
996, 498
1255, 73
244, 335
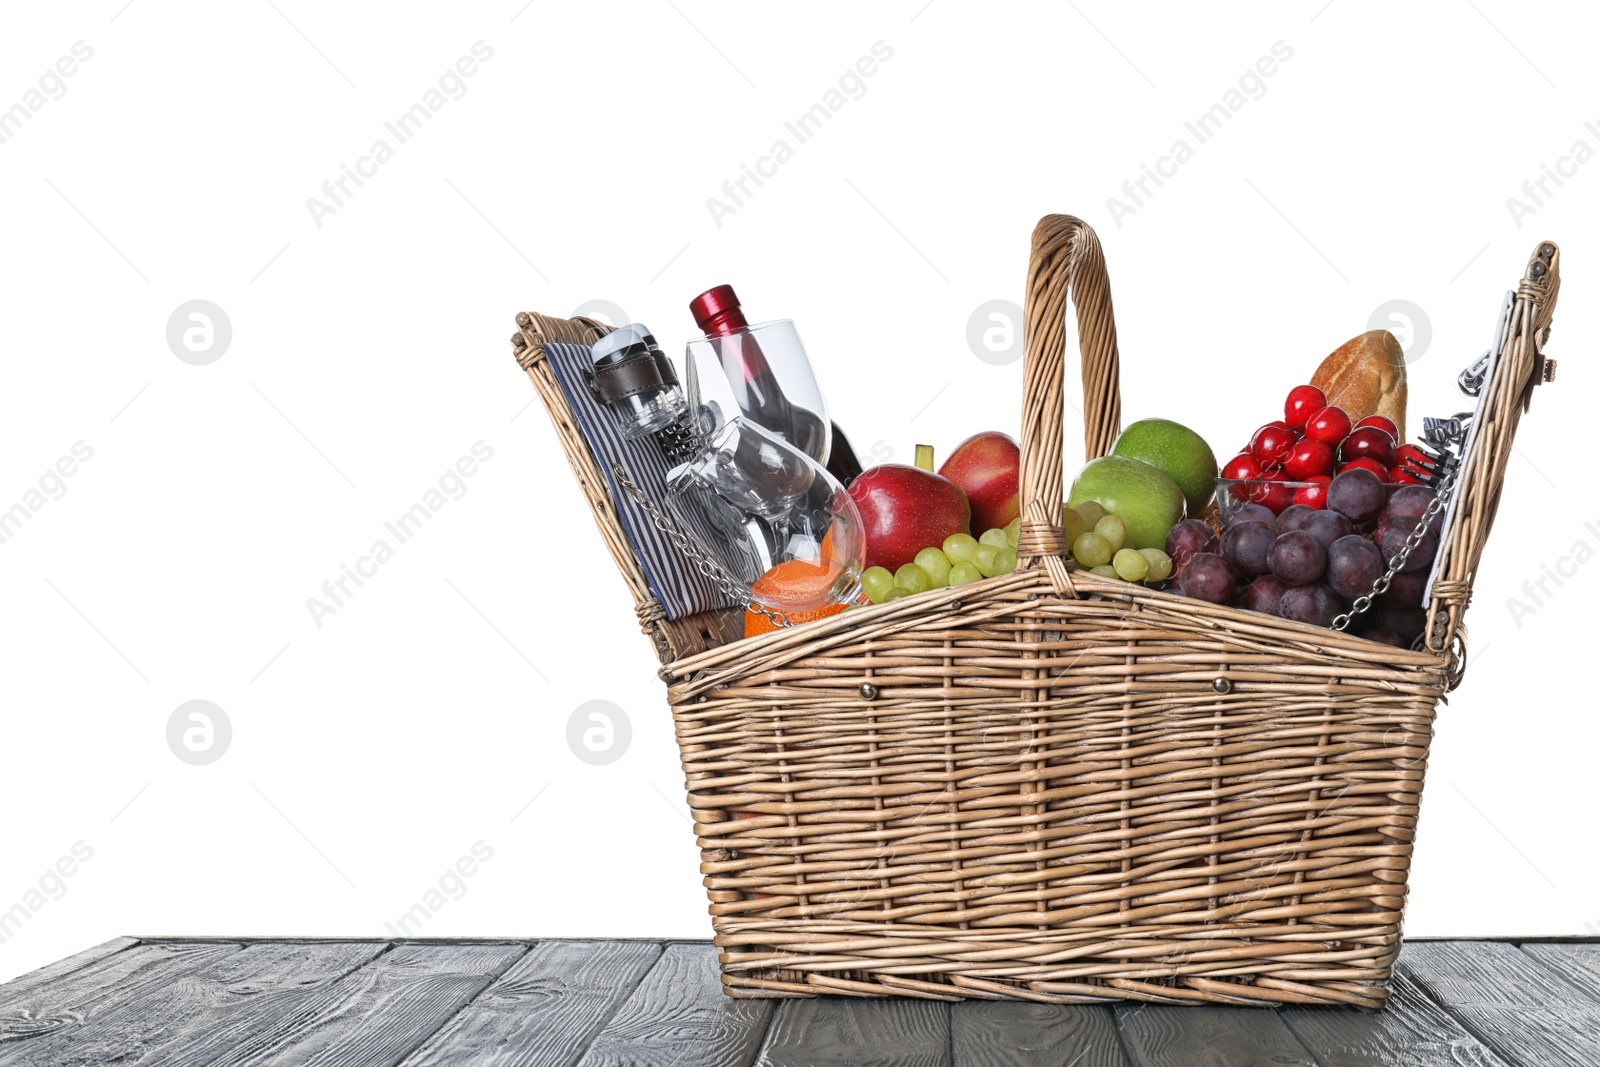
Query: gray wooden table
354, 1003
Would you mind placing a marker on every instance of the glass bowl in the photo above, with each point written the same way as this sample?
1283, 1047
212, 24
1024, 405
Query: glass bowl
1275, 496
1272, 495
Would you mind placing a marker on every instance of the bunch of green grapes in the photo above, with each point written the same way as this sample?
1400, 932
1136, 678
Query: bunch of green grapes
1096, 542
961, 559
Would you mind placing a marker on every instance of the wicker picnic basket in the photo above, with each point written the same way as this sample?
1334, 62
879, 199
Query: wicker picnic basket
1052, 786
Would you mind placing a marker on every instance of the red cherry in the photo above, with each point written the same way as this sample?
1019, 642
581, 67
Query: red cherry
1274, 497
1303, 402
1382, 422
1315, 493
1307, 458
1400, 474
1242, 468
1409, 453
1371, 443
1330, 425
1271, 444
1420, 471
1230, 497
1367, 463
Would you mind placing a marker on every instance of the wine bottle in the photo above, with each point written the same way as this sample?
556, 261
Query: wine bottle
719, 314
842, 461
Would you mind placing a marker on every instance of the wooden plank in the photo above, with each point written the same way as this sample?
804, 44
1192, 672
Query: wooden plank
1017, 1034
1577, 963
212, 1010
77, 1001
679, 1015
1525, 1012
545, 1010
841, 1031
24, 984
325, 1002
378, 1014
1163, 1035
1411, 1031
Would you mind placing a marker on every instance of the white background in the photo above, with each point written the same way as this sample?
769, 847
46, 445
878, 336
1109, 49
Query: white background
371, 352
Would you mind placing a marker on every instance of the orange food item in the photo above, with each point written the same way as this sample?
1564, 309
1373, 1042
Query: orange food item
798, 581
827, 546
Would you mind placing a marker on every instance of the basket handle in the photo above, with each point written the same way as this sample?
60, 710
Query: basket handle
1065, 260
1522, 367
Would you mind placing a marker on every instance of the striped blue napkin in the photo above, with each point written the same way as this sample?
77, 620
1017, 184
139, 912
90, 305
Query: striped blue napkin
675, 581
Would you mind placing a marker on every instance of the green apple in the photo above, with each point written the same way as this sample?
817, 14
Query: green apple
1176, 451
1148, 502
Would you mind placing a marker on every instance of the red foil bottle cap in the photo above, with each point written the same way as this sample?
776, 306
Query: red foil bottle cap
717, 310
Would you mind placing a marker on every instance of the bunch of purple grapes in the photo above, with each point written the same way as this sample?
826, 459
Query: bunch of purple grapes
1309, 564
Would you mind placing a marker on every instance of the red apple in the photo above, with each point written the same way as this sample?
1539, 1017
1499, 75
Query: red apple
986, 467
906, 509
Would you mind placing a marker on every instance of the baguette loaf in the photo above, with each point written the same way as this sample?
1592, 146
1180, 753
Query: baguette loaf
1366, 376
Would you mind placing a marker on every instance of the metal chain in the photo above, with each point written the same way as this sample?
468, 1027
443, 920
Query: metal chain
1413, 539
708, 566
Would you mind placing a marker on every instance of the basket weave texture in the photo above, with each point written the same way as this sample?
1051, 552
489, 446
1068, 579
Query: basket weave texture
1052, 786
